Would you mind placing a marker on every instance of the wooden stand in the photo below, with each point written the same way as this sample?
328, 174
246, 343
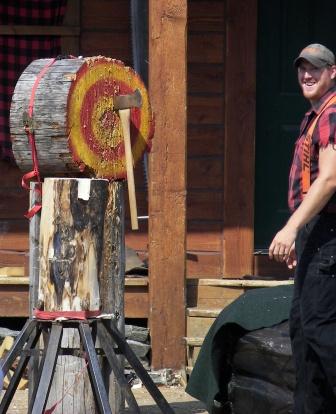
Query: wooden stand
81, 270
24, 347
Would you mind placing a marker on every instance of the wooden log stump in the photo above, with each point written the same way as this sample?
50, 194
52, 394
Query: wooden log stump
112, 281
71, 243
71, 264
75, 121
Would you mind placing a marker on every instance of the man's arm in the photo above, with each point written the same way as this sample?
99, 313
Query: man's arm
316, 198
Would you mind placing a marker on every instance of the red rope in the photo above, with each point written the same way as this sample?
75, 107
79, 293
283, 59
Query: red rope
31, 138
77, 376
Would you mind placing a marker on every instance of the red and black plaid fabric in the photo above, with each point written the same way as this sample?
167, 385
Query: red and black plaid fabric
16, 52
324, 134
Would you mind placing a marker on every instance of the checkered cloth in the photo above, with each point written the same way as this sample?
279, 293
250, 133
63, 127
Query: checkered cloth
16, 52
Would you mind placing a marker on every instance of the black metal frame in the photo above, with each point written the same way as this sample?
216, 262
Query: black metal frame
108, 334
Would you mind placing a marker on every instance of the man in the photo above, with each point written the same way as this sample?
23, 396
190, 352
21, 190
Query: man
308, 240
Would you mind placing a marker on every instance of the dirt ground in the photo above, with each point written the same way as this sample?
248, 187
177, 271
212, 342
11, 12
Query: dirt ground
180, 401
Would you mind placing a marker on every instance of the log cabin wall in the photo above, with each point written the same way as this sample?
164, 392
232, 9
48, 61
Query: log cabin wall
104, 27
205, 146
221, 98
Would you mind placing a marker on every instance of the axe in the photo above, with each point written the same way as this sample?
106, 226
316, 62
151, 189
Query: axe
123, 103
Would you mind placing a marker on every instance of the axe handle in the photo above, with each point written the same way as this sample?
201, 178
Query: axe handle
125, 123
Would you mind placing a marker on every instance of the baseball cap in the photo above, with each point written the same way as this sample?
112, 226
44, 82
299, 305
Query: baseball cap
316, 54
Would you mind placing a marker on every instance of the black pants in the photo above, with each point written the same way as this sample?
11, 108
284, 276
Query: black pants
313, 317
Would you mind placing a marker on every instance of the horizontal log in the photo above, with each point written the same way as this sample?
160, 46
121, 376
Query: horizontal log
13, 203
201, 265
136, 281
205, 140
12, 271
205, 78
265, 267
14, 234
104, 15
14, 300
206, 48
136, 302
206, 110
36, 30
205, 173
244, 283
55, 161
203, 313
203, 236
49, 117
12, 175
14, 258
204, 205
116, 45
207, 16
12, 279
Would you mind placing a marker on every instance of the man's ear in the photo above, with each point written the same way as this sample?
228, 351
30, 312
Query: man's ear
333, 72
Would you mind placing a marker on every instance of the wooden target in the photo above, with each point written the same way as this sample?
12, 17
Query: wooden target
76, 124
95, 132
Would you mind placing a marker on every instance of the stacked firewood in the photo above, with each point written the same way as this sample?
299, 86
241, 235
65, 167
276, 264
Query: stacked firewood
138, 339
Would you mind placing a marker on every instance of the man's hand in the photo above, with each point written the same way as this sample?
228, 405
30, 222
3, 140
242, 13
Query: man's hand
282, 246
291, 261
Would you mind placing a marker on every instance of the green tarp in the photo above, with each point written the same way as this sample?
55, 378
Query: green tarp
253, 310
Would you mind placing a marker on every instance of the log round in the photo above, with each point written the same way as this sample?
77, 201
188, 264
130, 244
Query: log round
76, 127
71, 243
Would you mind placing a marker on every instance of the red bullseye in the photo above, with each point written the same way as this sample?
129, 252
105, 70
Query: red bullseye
95, 133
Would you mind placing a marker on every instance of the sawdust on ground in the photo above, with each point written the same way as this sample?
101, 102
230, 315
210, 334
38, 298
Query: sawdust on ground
180, 401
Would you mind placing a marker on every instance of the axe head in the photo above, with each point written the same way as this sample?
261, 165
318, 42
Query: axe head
132, 100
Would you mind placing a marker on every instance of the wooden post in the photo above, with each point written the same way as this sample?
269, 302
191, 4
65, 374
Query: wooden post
71, 242
167, 189
240, 84
112, 281
34, 264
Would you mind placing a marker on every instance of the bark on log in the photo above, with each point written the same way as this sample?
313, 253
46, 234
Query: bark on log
112, 281
72, 225
34, 265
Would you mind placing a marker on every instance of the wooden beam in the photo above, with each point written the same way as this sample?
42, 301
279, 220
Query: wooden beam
35, 30
167, 188
136, 297
240, 90
14, 300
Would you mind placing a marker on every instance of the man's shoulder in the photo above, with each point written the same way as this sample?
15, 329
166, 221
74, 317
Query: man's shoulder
326, 114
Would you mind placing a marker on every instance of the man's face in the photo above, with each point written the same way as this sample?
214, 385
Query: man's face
315, 82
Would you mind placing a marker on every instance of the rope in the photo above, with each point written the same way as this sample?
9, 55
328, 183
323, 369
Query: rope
77, 377
28, 127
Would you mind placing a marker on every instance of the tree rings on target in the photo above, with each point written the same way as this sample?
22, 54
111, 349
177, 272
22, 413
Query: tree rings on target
76, 126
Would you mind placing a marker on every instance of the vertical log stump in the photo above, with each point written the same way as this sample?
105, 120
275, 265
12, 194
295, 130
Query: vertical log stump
71, 243
112, 281
71, 263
